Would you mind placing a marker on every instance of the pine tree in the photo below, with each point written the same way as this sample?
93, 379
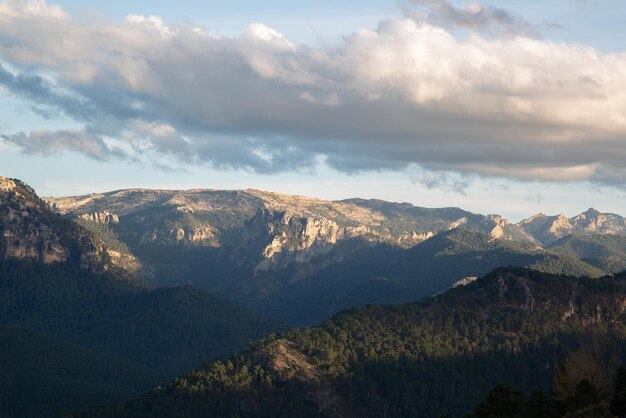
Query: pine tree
618, 400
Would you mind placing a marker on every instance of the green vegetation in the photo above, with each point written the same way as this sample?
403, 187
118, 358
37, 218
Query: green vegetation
586, 386
606, 252
433, 358
161, 331
41, 376
103, 233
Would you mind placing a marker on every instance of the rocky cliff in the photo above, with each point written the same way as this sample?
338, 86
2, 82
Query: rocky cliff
101, 217
29, 230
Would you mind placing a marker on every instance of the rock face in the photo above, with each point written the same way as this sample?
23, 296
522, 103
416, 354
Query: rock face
282, 238
464, 281
170, 235
25, 233
29, 230
548, 229
101, 217
499, 228
594, 222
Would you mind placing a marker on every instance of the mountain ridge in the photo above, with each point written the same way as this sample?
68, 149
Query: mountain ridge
589, 221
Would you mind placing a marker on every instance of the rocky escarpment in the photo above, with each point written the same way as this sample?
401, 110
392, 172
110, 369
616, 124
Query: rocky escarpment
29, 230
272, 228
282, 238
182, 234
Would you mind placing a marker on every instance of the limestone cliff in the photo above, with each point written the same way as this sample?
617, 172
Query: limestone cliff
287, 237
24, 232
101, 217
29, 230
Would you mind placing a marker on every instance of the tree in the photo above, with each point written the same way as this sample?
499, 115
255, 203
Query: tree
618, 400
502, 402
539, 405
595, 361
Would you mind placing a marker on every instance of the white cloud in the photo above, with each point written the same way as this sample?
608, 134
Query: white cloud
407, 92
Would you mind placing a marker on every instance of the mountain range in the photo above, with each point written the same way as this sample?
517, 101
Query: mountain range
299, 260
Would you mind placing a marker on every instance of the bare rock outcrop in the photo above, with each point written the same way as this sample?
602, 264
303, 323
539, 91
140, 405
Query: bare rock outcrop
281, 238
25, 234
30, 230
104, 217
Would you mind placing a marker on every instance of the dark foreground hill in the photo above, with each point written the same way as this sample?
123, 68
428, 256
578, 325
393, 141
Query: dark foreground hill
76, 330
428, 359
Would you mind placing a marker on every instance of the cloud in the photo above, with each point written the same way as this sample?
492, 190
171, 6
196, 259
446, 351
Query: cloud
442, 181
44, 142
473, 16
497, 102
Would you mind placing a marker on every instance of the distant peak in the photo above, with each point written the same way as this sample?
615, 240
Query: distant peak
534, 218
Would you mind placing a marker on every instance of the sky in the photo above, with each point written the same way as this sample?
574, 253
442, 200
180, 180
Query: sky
508, 107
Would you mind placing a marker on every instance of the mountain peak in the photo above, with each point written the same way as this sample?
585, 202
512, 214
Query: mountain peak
539, 215
591, 211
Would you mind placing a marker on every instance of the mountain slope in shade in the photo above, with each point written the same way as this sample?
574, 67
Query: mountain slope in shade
433, 358
60, 290
42, 376
606, 252
387, 274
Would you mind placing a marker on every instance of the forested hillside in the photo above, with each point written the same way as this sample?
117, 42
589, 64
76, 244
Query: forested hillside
433, 358
606, 252
77, 330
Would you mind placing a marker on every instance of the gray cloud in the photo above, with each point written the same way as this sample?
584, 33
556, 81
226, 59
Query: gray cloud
41, 93
407, 93
443, 181
474, 16
44, 142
